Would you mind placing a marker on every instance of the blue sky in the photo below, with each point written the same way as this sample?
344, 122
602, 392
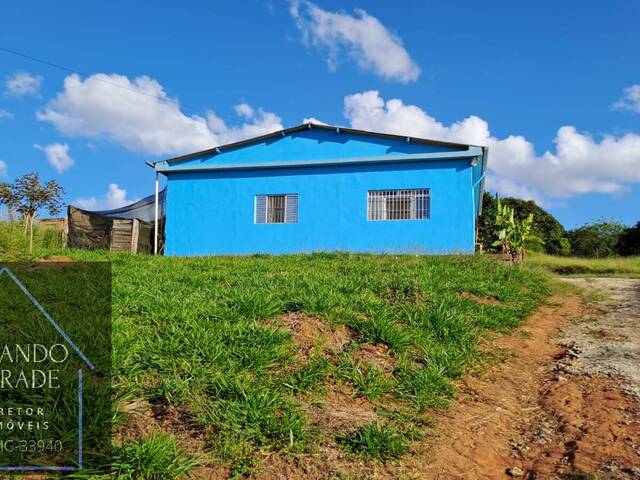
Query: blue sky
551, 87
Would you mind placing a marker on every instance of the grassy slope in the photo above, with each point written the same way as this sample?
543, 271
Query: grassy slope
617, 266
204, 334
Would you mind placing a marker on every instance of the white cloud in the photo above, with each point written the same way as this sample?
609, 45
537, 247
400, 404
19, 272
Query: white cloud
3, 168
115, 197
139, 115
313, 120
23, 83
244, 110
5, 114
361, 36
630, 99
57, 155
259, 123
578, 164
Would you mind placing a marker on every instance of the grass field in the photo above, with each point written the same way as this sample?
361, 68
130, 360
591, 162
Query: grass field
253, 353
614, 266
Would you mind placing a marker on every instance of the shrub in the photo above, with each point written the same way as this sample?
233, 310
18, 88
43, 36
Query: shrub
545, 225
629, 241
599, 239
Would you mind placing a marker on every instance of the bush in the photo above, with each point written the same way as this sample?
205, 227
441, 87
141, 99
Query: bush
596, 240
545, 225
12, 237
629, 241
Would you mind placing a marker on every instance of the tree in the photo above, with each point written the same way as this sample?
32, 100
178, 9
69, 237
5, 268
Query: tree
599, 239
31, 196
8, 199
545, 225
629, 241
513, 234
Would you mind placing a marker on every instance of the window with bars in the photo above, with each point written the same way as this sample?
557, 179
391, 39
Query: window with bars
280, 208
412, 204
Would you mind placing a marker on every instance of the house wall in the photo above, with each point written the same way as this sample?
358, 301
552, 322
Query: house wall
213, 212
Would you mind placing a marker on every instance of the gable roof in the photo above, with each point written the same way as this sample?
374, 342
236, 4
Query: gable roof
307, 126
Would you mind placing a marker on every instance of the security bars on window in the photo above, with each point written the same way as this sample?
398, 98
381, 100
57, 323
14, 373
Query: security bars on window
281, 208
398, 204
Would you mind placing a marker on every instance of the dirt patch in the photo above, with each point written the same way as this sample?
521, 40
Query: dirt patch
377, 355
595, 430
315, 335
59, 258
611, 343
481, 299
536, 415
340, 410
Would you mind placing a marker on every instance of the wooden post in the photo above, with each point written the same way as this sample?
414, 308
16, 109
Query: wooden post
155, 226
135, 234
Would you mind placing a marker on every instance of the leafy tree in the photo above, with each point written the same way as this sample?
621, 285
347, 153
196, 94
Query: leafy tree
545, 225
629, 241
599, 239
513, 234
8, 199
30, 196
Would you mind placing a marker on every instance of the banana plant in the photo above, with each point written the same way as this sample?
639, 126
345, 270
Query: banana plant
512, 234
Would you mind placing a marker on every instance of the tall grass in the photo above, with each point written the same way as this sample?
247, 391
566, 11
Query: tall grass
14, 240
613, 266
203, 334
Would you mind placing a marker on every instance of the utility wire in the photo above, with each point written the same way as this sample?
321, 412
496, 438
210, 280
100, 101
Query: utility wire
71, 70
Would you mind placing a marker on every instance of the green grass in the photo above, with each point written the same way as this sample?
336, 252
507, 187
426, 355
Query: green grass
13, 239
375, 441
156, 457
614, 266
368, 380
203, 335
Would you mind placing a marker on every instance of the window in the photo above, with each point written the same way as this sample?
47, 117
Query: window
398, 204
281, 208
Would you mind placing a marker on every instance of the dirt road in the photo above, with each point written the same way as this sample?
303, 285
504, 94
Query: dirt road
564, 405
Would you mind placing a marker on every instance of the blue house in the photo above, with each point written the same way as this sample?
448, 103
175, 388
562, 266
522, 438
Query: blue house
320, 188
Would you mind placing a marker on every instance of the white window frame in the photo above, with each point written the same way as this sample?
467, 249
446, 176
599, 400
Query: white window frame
418, 204
290, 208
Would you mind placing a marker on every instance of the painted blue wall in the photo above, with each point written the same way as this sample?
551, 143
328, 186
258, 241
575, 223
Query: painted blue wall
212, 212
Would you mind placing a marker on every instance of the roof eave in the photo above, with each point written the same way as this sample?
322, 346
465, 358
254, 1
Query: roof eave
306, 126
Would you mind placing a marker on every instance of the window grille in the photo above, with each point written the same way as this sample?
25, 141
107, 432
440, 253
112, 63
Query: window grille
281, 208
398, 204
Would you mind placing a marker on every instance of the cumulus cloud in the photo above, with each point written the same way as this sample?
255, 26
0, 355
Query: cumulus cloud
630, 99
313, 120
5, 114
3, 168
57, 155
139, 115
361, 36
258, 123
578, 164
244, 110
22, 83
115, 197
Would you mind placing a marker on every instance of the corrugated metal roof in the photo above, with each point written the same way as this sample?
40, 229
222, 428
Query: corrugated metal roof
307, 126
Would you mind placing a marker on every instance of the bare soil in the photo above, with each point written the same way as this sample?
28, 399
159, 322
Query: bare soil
562, 407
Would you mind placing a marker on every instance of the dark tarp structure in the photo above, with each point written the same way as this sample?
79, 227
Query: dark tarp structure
125, 229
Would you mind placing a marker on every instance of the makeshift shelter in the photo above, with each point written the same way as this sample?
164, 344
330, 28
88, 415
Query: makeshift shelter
126, 229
